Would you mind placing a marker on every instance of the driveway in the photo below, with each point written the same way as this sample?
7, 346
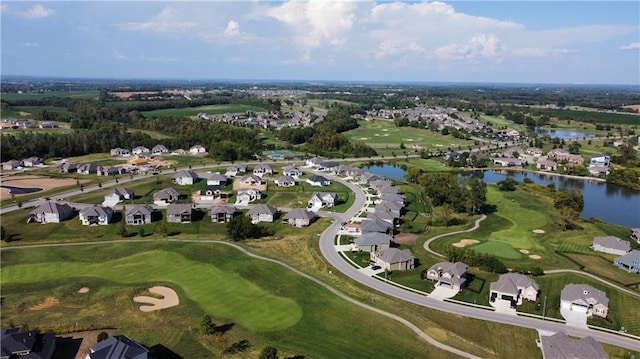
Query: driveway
370, 271
574, 318
441, 292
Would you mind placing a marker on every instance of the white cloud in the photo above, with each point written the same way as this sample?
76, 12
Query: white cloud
479, 47
4, 8
167, 21
539, 52
233, 29
120, 56
398, 46
631, 46
29, 44
37, 12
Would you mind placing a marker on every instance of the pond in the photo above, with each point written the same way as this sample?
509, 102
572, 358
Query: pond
610, 203
564, 134
21, 190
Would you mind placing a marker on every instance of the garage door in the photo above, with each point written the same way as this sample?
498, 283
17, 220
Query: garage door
579, 308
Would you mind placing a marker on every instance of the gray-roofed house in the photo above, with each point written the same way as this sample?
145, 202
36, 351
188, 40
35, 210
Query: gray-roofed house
511, 288
262, 213
373, 241
246, 195
222, 214
262, 169
137, 215
293, 171
629, 262
184, 178
368, 177
285, 181
159, 150
376, 225
11, 164
51, 212
197, 149
392, 197
33, 161
120, 152
394, 207
318, 181
561, 346
140, 150
119, 194
29, 344
611, 244
95, 215
165, 196
394, 259
215, 179
109, 170
235, 169
210, 195
252, 180
583, 298
635, 234
383, 215
87, 168
298, 217
179, 213
68, 167
322, 199
118, 347
448, 274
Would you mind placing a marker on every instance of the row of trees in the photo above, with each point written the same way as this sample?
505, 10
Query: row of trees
484, 261
464, 195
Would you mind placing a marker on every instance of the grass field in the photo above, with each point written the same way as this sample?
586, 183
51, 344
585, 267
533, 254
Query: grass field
210, 109
12, 96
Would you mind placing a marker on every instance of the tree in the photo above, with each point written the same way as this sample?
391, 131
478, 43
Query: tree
241, 228
572, 199
141, 232
102, 336
206, 325
4, 236
269, 353
477, 194
508, 184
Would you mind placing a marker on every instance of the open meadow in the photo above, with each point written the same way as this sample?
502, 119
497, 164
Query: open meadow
209, 109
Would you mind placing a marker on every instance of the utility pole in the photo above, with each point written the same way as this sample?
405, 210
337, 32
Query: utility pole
544, 307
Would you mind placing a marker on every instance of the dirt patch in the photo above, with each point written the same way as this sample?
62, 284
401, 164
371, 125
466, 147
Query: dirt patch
535, 256
126, 94
405, 238
48, 303
46, 183
524, 251
465, 242
538, 231
635, 107
169, 299
83, 290
237, 184
23, 113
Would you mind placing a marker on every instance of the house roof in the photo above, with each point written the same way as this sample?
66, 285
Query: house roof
612, 242
374, 225
248, 191
178, 208
139, 210
395, 255
324, 195
96, 210
457, 269
388, 206
167, 192
285, 179
319, 179
122, 191
561, 346
251, 177
584, 295
291, 168
262, 209
185, 173
51, 207
39, 346
239, 167
373, 238
392, 197
214, 177
222, 209
511, 282
382, 214
630, 258
210, 188
117, 347
298, 213
263, 167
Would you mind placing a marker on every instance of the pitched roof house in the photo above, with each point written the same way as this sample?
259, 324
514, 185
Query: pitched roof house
262, 169
376, 225
544, 164
214, 179
120, 152
137, 215
448, 274
119, 194
95, 215
635, 234
511, 288
584, 299
159, 150
373, 241
197, 149
118, 347
246, 195
298, 217
561, 346
394, 259
51, 212
611, 244
318, 181
210, 194
29, 344
11, 164
629, 262
32, 161
68, 167
252, 180
293, 171
322, 199
285, 181
166, 196
262, 213
87, 168
184, 178
140, 150
236, 169
222, 214
179, 213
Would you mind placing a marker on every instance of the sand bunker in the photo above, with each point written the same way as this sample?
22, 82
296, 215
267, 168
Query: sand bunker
534, 256
538, 231
83, 290
524, 251
465, 242
170, 299
48, 303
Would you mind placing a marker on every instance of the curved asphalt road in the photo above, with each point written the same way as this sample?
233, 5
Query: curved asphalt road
328, 250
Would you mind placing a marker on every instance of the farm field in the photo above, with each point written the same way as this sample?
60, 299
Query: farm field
13, 96
209, 109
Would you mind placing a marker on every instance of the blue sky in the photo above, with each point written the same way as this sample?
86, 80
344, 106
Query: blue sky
461, 41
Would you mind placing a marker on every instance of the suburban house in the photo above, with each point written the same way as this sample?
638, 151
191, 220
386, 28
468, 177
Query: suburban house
110, 170
118, 346
326, 165
262, 213
246, 195
394, 259
376, 225
560, 345
235, 169
137, 215
383, 215
368, 177
611, 244
373, 241
11, 165
262, 169
166, 196
179, 213
598, 170
562, 155
87, 168
535, 151
629, 262
322, 199
394, 208
293, 171
215, 179
313, 161
119, 194
392, 197
448, 274
511, 288
318, 181
140, 151
507, 162
210, 194
95, 215
222, 214
544, 164
184, 178
121, 152
285, 181
600, 160
51, 212
68, 167
583, 298
298, 217
32, 162
635, 234
28, 344
159, 150
252, 180
197, 149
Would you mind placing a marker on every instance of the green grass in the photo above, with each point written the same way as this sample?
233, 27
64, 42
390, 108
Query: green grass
209, 109
596, 264
500, 249
12, 96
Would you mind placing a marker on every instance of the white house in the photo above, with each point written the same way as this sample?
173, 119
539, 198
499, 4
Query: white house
511, 288
95, 215
448, 274
585, 299
285, 181
262, 213
197, 149
322, 199
184, 178
51, 212
140, 150
611, 244
159, 150
318, 181
246, 195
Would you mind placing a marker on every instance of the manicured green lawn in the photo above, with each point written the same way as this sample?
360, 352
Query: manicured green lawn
500, 249
209, 109
13, 96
